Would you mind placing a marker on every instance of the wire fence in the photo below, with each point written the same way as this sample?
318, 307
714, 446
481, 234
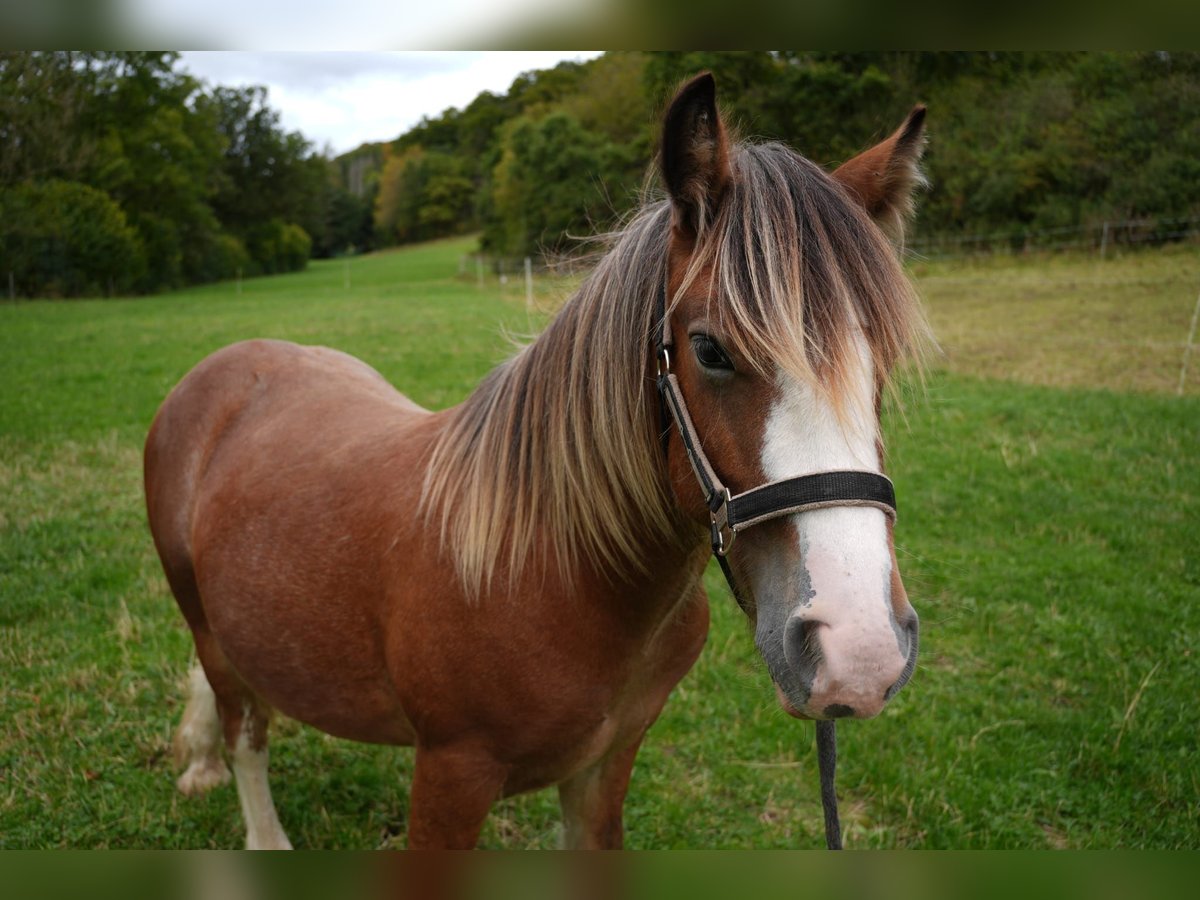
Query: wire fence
535, 278
1102, 238
510, 273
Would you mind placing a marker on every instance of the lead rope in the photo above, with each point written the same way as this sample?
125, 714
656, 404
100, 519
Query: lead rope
826, 746
827, 764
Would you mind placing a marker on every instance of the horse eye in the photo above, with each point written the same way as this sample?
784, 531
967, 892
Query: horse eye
710, 354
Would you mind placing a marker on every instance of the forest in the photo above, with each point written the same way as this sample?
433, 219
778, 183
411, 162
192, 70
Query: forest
120, 174
1018, 141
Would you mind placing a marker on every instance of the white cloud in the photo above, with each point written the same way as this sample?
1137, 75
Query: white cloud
344, 99
347, 24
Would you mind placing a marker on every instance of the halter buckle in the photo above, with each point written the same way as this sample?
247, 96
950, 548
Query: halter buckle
720, 524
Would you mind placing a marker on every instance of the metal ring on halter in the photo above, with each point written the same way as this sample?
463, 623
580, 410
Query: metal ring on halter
663, 361
720, 525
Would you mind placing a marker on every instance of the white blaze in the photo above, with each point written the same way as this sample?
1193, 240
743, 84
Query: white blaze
845, 549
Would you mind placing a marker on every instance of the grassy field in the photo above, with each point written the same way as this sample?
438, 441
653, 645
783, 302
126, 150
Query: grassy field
1050, 514
1068, 321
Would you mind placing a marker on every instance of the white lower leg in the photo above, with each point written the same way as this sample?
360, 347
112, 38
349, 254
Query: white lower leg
263, 831
198, 740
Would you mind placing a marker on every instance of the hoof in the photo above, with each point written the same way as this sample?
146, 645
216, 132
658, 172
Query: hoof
202, 776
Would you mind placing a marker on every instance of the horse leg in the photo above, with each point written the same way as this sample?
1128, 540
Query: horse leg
198, 740
592, 801
453, 789
249, 750
244, 720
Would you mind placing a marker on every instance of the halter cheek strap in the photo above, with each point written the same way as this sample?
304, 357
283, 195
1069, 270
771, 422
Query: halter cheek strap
730, 514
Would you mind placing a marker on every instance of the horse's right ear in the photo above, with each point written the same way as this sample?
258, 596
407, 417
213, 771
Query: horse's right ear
884, 178
695, 154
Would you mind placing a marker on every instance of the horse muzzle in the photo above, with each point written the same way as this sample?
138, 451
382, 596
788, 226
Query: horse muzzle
844, 670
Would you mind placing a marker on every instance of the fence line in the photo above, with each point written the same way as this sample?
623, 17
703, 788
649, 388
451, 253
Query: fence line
507, 272
1099, 237
488, 266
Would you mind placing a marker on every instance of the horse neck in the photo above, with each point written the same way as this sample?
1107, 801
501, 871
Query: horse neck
671, 559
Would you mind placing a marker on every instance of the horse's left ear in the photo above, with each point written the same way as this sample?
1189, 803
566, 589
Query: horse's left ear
883, 178
695, 154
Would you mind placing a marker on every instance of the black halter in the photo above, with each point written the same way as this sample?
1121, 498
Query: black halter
731, 514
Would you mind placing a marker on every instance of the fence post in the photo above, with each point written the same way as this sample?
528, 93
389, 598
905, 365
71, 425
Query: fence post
462, 265
1104, 241
1187, 349
528, 285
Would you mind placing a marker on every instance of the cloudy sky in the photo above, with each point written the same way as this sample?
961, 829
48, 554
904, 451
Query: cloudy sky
344, 25
345, 98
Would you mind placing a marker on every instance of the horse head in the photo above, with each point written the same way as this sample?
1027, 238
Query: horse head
787, 310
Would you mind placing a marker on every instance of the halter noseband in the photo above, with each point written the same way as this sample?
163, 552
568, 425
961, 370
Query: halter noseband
731, 514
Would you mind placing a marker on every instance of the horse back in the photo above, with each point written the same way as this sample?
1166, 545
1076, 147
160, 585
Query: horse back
234, 394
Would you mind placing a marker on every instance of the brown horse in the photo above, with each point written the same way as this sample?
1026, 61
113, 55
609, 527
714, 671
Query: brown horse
513, 585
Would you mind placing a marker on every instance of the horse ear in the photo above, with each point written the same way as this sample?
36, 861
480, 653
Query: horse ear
695, 154
884, 178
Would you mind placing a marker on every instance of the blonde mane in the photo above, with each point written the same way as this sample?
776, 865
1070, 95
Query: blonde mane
558, 450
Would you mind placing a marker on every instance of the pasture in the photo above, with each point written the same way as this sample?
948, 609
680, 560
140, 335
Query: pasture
1049, 522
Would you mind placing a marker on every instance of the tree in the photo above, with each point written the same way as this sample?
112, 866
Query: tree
269, 175
208, 181
350, 224
44, 102
396, 204
62, 239
423, 195
555, 179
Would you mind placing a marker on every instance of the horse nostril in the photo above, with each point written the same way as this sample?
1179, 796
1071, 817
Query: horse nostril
912, 632
838, 711
802, 649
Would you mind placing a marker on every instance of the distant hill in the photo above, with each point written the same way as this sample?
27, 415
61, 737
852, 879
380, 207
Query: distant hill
1018, 140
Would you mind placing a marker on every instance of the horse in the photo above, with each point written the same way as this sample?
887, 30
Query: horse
513, 585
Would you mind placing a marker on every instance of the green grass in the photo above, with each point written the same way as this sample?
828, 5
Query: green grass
1047, 534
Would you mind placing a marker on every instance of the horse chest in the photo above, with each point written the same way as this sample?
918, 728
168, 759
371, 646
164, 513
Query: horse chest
635, 689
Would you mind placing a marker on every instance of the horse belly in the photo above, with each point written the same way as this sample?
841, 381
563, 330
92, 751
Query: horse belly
310, 656
288, 528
